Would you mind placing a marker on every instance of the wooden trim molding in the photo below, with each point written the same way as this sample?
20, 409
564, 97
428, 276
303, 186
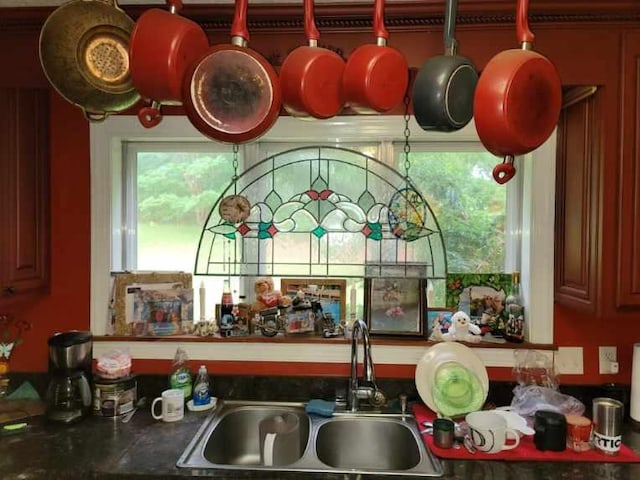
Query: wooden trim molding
353, 17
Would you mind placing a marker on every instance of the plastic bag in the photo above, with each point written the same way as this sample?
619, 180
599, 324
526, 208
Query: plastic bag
114, 364
534, 368
528, 399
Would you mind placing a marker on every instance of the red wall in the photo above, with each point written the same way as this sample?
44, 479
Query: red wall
586, 56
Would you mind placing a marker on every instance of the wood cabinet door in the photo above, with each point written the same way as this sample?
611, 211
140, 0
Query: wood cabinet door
24, 140
628, 281
578, 223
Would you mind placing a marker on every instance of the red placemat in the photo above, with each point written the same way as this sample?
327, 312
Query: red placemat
526, 451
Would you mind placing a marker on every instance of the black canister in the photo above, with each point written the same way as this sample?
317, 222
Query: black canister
551, 431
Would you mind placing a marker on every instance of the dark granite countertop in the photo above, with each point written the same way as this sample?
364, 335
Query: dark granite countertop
104, 448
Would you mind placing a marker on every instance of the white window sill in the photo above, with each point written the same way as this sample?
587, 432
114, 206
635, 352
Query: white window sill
385, 352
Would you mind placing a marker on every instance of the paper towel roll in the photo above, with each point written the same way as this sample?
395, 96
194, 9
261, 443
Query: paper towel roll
634, 408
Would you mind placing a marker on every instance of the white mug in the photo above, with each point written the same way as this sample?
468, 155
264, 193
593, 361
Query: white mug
172, 405
279, 439
489, 432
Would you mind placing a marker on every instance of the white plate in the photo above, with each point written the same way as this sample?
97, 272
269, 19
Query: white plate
447, 352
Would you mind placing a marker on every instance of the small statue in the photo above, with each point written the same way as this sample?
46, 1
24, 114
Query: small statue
462, 329
267, 296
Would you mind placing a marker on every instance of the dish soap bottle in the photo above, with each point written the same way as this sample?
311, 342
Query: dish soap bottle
181, 376
201, 395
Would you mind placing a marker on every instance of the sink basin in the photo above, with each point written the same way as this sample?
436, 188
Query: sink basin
380, 443
235, 439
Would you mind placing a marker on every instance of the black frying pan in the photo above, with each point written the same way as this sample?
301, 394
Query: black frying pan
444, 87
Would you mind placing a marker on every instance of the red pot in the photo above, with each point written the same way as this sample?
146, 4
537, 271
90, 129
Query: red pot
163, 44
375, 76
231, 93
311, 76
517, 100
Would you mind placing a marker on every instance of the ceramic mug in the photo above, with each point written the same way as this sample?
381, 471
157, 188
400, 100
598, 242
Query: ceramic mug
489, 432
279, 439
172, 405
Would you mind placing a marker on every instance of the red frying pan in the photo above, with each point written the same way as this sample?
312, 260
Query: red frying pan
231, 93
375, 76
517, 100
311, 76
162, 46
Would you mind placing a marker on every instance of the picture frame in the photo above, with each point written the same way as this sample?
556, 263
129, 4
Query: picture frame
330, 292
395, 306
163, 312
125, 287
483, 292
439, 317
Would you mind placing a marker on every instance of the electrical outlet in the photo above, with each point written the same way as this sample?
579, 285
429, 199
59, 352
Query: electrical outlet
608, 359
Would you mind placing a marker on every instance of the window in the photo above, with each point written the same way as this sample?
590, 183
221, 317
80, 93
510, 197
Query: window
436, 162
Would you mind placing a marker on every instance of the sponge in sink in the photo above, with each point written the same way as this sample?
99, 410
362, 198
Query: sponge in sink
323, 408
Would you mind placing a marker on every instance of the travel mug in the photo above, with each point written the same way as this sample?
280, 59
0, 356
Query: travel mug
550, 431
443, 432
607, 425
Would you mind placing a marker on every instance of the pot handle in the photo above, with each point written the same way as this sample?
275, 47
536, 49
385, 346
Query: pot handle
310, 28
150, 116
379, 28
523, 33
95, 116
174, 6
239, 31
505, 171
450, 42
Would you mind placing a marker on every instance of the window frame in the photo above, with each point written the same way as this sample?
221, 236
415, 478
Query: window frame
535, 169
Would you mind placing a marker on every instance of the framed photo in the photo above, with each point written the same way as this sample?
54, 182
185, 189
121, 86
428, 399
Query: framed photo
439, 319
163, 312
482, 295
330, 293
395, 306
128, 285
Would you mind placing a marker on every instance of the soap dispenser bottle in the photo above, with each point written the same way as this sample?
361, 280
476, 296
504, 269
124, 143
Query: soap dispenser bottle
201, 395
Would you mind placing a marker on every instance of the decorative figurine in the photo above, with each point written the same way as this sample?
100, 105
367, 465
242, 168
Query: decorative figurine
462, 329
267, 296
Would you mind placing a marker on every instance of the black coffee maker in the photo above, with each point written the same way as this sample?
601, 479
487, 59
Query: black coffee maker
69, 393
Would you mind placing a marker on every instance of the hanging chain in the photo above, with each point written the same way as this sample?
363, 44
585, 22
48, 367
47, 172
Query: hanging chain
407, 134
235, 167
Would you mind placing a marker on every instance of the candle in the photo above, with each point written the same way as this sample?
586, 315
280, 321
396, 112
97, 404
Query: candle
203, 309
352, 302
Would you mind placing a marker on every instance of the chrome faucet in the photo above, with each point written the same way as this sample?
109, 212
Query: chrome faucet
369, 392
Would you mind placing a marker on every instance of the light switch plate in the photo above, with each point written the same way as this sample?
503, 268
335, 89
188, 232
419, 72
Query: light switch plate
569, 361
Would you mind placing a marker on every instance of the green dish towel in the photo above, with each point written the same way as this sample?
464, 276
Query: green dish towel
25, 390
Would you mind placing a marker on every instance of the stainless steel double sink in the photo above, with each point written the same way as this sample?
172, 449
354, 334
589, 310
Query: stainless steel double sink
376, 443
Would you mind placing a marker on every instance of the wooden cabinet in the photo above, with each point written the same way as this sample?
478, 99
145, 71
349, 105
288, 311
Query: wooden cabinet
628, 281
24, 215
578, 196
597, 258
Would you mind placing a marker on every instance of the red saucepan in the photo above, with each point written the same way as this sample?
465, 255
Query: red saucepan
231, 93
311, 76
517, 100
163, 44
443, 90
375, 76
